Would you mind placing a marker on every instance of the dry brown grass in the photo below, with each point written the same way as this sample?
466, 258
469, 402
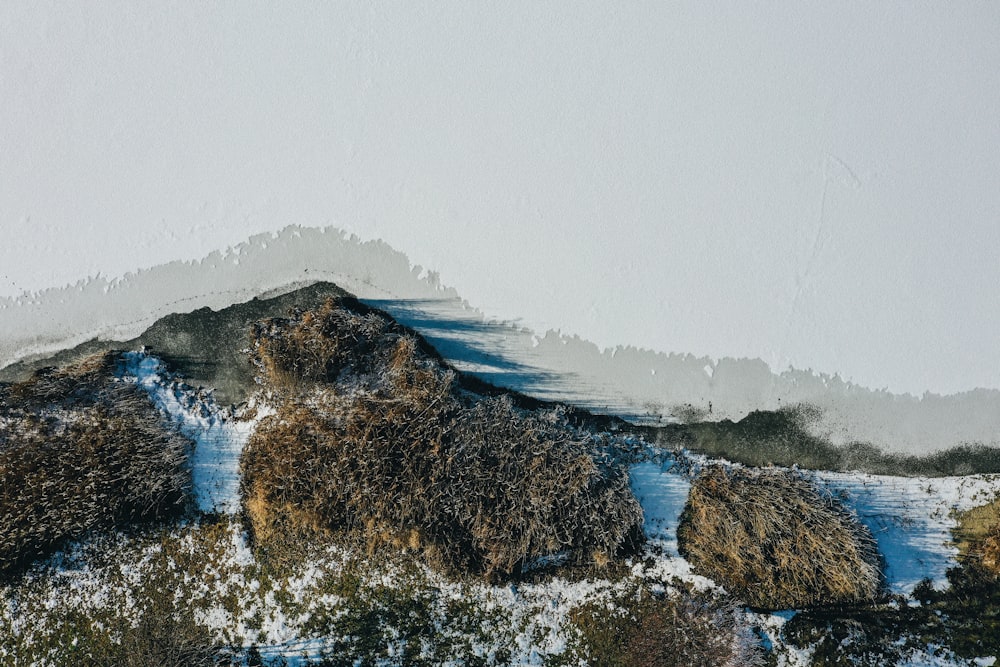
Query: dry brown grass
978, 536
80, 451
372, 435
773, 539
341, 336
678, 628
991, 550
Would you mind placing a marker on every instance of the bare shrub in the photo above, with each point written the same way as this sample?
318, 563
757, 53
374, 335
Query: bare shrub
990, 550
772, 538
668, 629
79, 451
371, 434
977, 537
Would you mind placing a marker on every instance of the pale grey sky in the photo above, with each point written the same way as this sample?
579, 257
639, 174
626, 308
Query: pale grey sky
813, 184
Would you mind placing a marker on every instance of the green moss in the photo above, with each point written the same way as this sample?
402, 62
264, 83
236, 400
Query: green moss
409, 622
135, 621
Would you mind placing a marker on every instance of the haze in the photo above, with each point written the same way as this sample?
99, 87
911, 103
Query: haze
811, 184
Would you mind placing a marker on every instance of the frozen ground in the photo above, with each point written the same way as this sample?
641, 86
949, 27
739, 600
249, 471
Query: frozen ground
662, 493
218, 436
527, 623
911, 517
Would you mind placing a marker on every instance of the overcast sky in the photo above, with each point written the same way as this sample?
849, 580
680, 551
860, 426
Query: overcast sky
815, 184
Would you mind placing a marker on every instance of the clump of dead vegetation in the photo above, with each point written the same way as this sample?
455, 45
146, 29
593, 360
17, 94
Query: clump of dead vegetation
978, 537
372, 435
775, 540
642, 628
990, 550
80, 450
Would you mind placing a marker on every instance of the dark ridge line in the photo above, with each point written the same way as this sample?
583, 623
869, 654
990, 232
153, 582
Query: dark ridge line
763, 437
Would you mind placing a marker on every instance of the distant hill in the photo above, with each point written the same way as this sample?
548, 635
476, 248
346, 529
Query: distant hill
204, 345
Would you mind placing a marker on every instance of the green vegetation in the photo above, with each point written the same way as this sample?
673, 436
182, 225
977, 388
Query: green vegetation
118, 600
761, 438
961, 623
638, 627
408, 622
192, 595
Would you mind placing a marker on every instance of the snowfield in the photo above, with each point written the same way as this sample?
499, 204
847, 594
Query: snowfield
524, 624
912, 518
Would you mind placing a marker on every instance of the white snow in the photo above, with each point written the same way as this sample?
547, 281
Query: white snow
218, 437
662, 492
727, 183
912, 518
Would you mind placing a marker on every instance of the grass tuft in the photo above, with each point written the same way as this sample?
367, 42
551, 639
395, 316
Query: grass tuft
373, 435
773, 539
978, 537
638, 627
80, 450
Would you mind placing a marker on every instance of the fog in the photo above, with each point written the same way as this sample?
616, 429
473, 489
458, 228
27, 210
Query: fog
809, 185
641, 385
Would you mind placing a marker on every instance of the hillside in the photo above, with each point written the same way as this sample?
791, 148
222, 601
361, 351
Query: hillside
353, 499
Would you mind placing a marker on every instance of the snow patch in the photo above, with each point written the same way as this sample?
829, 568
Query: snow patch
662, 492
219, 437
912, 519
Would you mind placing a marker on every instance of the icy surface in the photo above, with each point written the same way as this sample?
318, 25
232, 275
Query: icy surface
912, 518
662, 492
218, 437
766, 182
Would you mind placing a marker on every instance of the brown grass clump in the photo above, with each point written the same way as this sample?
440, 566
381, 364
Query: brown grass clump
372, 435
991, 550
978, 537
319, 345
639, 628
773, 539
78, 451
